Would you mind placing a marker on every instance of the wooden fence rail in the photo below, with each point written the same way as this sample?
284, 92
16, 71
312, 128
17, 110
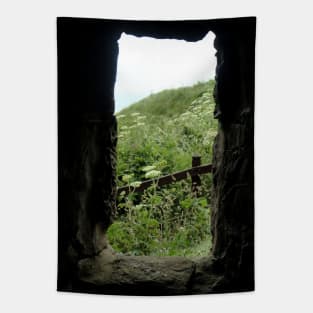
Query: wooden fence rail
194, 172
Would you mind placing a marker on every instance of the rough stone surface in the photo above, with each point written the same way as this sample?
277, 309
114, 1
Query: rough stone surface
233, 162
87, 188
146, 275
98, 269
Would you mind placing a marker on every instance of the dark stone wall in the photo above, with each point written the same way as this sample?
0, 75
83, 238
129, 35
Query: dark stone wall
87, 58
87, 135
233, 163
87, 188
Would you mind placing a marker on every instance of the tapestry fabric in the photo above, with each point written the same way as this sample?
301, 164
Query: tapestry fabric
156, 156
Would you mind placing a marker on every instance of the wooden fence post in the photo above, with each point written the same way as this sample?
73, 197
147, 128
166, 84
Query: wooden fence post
195, 179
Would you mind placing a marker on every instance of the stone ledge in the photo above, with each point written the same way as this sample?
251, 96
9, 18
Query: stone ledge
108, 273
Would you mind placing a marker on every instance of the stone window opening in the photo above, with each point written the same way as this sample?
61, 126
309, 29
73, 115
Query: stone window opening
195, 66
87, 135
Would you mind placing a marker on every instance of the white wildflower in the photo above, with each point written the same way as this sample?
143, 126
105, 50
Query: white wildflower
186, 113
135, 184
148, 168
141, 117
153, 174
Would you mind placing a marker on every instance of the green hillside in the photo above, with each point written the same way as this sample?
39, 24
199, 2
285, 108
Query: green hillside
169, 102
157, 136
167, 127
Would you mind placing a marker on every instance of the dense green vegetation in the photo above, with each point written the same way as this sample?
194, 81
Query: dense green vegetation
158, 135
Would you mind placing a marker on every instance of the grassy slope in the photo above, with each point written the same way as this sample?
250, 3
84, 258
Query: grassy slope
164, 130
170, 102
167, 126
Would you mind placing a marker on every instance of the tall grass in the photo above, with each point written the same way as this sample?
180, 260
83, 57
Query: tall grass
157, 136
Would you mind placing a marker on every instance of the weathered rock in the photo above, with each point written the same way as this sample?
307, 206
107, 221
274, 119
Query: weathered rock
233, 159
97, 270
147, 275
166, 275
87, 188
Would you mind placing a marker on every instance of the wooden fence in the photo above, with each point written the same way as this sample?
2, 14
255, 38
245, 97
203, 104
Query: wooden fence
196, 170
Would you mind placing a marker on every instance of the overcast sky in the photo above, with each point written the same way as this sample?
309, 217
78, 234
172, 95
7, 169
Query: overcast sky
147, 65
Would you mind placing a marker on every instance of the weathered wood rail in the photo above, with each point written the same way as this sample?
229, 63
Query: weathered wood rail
196, 170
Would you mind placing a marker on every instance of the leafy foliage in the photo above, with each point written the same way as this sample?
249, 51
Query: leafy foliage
158, 136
